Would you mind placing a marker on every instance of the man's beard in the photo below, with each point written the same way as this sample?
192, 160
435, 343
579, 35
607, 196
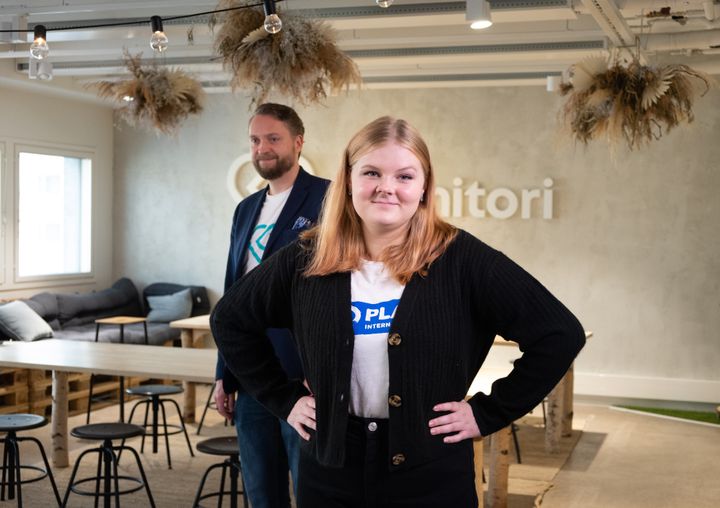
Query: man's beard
282, 166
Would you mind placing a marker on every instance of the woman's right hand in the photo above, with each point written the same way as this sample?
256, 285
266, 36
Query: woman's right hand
303, 415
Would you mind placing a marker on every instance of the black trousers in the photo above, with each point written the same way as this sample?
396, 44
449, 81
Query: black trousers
365, 480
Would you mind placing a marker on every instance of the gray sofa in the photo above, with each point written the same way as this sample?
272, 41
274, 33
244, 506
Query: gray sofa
72, 316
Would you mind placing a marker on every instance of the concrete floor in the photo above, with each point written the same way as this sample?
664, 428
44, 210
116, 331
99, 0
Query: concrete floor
635, 461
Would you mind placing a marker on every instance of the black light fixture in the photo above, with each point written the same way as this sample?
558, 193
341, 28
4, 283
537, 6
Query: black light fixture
273, 23
158, 40
39, 48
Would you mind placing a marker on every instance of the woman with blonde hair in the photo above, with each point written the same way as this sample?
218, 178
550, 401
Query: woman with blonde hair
394, 312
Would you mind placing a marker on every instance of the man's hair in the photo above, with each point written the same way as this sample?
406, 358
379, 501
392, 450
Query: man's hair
285, 114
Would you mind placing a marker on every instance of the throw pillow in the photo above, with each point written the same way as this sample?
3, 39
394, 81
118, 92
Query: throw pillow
18, 321
168, 308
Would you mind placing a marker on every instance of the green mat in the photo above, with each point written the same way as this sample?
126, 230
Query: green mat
697, 416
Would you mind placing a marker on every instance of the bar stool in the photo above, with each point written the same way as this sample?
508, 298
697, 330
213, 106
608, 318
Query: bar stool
226, 446
107, 465
121, 321
153, 394
11, 467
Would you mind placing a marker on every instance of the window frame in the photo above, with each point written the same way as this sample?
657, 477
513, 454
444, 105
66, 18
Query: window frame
54, 279
4, 199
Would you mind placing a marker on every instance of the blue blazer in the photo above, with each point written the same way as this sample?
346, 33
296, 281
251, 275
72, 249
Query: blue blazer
299, 213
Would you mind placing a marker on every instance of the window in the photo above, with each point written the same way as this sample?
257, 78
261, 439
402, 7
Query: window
53, 215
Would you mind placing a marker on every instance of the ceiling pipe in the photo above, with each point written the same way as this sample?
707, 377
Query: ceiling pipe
680, 41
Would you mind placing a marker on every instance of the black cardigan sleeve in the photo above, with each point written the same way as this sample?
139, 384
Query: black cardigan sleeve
258, 301
521, 309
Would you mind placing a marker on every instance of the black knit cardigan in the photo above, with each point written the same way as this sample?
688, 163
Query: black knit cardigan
446, 323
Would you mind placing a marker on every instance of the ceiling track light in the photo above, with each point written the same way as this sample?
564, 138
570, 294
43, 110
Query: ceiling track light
478, 13
384, 3
273, 23
158, 40
39, 48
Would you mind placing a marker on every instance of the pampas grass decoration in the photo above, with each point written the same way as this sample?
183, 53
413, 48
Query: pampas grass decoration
631, 103
301, 61
156, 97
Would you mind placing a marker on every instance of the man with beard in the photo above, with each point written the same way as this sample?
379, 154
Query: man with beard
263, 223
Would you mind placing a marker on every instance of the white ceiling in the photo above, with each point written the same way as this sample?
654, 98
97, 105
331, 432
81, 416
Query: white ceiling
413, 43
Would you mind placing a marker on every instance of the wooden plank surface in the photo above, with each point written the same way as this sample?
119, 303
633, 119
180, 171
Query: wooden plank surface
112, 359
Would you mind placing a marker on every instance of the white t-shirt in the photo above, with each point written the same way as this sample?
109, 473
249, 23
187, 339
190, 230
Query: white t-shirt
269, 214
375, 296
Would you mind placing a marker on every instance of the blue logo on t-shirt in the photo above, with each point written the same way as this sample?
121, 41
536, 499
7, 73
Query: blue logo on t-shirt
371, 318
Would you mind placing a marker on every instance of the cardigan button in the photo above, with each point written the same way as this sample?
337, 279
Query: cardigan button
394, 339
395, 400
398, 459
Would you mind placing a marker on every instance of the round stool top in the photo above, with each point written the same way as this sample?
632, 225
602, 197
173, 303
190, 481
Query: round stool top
150, 390
115, 430
219, 446
21, 422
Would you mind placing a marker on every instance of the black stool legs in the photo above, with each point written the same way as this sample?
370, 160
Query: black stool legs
158, 405
233, 466
12, 469
107, 472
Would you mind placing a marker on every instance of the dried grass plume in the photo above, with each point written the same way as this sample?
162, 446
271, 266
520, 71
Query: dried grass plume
628, 102
301, 61
156, 97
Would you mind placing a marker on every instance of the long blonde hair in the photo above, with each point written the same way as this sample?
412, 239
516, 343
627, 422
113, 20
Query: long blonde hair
337, 244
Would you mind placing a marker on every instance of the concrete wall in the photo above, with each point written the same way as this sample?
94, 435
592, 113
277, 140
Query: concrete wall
631, 248
39, 119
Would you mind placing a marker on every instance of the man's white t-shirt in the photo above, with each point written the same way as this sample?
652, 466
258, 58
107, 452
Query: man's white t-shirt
375, 296
269, 214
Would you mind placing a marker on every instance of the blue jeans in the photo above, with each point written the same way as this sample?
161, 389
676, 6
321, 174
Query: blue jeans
268, 448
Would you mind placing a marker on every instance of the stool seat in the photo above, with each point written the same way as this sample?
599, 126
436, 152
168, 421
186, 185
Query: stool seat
115, 430
21, 422
227, 445
150, 390
13, 471
107, 472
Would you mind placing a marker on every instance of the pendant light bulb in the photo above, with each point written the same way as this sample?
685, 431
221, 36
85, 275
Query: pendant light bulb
39, 48
158, 40
273, 23
384, 3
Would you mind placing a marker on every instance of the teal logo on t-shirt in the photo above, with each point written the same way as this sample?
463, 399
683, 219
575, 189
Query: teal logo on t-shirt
259, 239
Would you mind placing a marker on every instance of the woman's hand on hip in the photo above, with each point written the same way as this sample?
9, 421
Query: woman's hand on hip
460, 422
303, 415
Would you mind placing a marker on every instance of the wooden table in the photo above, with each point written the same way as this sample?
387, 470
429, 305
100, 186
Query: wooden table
558, 423
193, 331
559, 404
63, 356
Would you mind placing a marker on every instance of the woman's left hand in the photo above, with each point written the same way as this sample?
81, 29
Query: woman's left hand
460, 420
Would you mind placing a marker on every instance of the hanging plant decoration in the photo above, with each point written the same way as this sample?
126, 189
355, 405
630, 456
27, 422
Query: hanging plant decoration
301, 61
156, 97
628, 102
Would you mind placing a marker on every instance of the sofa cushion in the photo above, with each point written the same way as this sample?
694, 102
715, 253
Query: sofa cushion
46, 305
170, 307
18, 321
200, 300
119, 300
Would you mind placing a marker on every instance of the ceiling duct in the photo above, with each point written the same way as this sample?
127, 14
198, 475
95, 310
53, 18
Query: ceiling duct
18, 23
